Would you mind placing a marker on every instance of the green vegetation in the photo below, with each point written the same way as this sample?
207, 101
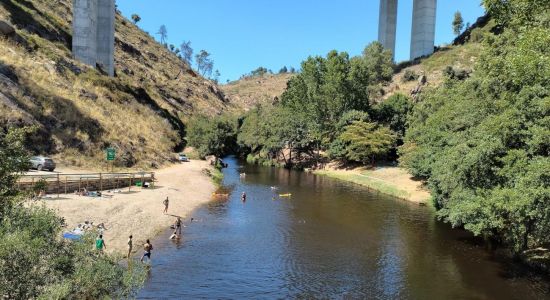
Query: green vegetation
205, 64
316, 100
364, 142
458, 23
35, 263
212, 136
136, 18
482, 142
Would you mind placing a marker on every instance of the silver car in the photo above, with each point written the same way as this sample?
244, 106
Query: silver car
42, 163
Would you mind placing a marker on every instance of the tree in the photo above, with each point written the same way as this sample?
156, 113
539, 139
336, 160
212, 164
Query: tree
365, 142
212, 136
393, 112
259, 72
482, 142
172, 47
136, 18
283, 70
458, 23
163, 32
217, 76
204, 63
187, 52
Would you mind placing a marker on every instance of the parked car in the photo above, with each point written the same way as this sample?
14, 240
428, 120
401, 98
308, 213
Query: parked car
183, 158
42, 163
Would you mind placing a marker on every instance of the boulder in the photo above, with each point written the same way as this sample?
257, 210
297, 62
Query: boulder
6, 29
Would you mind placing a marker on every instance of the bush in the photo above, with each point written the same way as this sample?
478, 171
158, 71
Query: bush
409, 75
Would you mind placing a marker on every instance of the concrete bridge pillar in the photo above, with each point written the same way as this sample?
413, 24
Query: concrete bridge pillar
85, 31
423, 28
106, 35
94, 33
387, 26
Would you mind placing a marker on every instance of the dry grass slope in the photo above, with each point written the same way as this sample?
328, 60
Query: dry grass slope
251, 91
78, 111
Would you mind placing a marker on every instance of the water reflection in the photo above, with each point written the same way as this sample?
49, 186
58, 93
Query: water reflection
329, 240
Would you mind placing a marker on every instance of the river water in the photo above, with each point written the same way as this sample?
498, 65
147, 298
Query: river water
330, 240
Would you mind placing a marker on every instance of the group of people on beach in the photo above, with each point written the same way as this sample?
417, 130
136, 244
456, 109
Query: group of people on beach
148, 246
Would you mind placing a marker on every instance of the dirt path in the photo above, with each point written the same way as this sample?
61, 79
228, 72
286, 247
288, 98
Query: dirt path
139, 212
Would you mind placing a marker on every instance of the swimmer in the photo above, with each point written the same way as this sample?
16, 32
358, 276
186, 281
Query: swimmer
243, 197
175, 235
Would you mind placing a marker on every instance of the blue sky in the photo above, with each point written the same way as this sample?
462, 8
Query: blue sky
245, 34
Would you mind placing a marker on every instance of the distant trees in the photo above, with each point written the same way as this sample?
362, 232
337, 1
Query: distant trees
204, 63
136, 18
260, 71
458, 23
163, 32
186, 52
283, 70
217, 76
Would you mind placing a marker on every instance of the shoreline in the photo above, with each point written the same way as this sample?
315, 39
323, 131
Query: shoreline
392, 181
140, 212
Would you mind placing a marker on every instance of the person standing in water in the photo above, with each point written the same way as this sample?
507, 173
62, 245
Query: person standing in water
177, 225
243, 197
147, 251
130, 246
100, 244
166, 202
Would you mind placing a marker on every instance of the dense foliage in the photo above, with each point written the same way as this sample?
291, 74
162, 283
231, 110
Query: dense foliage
212, 136
34, 261
483, 142
316, 103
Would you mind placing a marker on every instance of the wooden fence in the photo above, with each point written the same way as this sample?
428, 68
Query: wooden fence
69, 183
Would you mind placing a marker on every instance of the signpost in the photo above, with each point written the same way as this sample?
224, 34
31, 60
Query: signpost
111, 154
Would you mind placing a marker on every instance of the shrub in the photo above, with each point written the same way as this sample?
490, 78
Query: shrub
409, 75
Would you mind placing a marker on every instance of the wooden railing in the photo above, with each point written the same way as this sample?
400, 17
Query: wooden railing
57, 183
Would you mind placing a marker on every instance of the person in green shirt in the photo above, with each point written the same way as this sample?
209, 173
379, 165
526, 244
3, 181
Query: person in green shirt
100, 243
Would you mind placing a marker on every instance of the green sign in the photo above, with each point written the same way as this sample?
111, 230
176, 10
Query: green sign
111, 154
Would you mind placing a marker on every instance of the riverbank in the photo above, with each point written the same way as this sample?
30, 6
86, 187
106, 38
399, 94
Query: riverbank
140, 211
393, 181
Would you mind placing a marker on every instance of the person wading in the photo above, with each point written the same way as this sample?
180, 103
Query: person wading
166, 202
177, 225
147, 251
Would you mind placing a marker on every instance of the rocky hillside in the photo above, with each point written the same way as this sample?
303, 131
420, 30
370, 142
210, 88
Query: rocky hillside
253, 90
78, 111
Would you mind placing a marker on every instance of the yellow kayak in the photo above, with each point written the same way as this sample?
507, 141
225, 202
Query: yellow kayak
285, 195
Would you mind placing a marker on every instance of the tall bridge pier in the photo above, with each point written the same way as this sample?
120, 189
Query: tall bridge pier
423, 26
94, 33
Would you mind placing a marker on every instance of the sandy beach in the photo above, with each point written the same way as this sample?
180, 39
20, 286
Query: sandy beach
140, 212
393, 181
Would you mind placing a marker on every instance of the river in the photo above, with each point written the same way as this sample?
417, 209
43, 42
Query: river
330, 240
